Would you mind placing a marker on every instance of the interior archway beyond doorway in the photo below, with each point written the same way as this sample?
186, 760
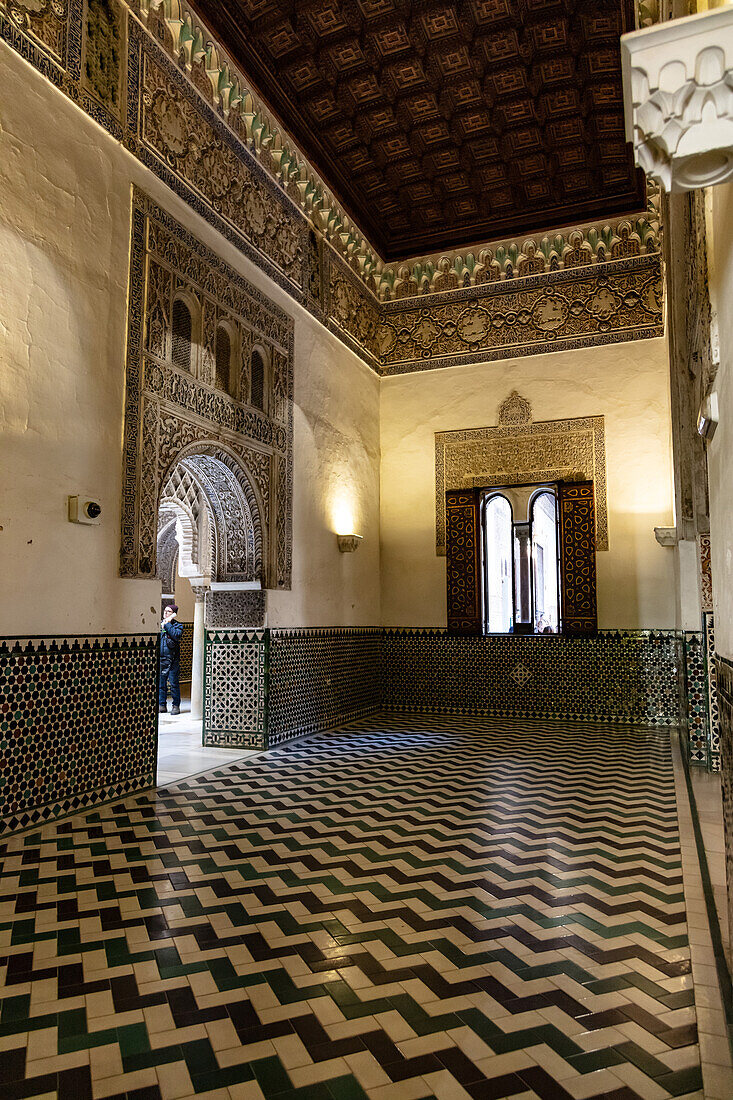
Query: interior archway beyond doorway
209, 529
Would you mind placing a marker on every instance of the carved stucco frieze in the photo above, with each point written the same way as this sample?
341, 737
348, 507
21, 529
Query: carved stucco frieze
678, 93
520, 451
172, 126
234, 609
44, 20
540, 313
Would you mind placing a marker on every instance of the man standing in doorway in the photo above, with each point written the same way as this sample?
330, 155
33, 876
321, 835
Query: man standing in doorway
170, 660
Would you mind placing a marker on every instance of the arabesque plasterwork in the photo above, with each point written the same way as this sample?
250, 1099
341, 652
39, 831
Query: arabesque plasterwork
520, 451
189, 117
173, 128
43, 20
541, 313
240, 458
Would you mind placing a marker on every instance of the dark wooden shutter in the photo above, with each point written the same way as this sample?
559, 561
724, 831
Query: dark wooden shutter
463, 554
577, 558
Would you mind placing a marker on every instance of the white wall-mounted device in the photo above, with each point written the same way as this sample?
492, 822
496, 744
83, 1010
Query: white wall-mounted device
84, 510
708, 416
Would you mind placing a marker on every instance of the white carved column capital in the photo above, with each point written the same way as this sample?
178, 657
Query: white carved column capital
678, 97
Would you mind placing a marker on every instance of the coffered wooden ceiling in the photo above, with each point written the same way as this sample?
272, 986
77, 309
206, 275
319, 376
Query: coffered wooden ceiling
439, 124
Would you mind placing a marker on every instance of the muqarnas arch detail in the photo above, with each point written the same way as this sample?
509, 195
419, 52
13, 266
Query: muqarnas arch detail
231, 545
239, 456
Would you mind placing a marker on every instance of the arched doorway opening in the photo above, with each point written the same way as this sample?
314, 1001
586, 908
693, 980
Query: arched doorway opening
210, 536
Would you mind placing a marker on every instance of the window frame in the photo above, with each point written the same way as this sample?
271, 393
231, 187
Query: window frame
488, 493
576, 557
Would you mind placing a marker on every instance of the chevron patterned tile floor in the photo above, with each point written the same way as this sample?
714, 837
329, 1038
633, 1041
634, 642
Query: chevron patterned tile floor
403, 908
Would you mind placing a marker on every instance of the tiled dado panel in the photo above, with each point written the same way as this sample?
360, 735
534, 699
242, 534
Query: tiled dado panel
711, 685
696, 697
78, 723
263, 687
617, 676
702, 708
724, 671
235, 688
320, 678
186, 652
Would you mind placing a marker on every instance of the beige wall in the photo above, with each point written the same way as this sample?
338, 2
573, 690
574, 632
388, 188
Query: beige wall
626, 383
720, 450
64, 235
336, 488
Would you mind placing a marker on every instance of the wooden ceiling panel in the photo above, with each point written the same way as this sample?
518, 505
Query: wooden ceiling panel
440, 124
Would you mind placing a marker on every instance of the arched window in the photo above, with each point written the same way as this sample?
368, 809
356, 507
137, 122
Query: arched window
182, 333
520, 560
223, 359
545, 564
257, 380
498, 567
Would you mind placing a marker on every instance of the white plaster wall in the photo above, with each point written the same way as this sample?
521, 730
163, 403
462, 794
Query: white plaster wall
336, 488
64, 238
720, 450
626, 383
184, 598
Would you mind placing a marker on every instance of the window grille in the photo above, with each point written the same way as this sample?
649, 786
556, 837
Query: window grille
223, 359
257, 380
181, 335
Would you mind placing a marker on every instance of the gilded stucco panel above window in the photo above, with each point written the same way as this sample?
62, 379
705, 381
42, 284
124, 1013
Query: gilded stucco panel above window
174, 412
518, 451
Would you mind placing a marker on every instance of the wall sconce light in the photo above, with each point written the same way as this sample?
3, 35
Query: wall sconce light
708, 416
348, 543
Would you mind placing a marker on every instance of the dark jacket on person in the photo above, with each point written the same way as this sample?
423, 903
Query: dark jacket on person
170, 639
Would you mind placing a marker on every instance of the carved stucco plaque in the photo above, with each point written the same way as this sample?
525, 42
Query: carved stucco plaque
516, 452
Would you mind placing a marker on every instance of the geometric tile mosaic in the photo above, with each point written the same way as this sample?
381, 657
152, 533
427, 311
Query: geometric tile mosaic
68, 743
724, 677
235, 685
615, 676
430, 907
696, 695
711, 692
320, 677
186, 651
78, 722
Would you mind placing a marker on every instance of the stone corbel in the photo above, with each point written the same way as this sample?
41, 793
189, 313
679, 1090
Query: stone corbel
678, 96
666, 536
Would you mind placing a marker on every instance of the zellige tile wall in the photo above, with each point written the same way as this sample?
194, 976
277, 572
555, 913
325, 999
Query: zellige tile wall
78, 723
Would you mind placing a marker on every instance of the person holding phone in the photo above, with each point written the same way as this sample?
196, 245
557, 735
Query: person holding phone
170, 660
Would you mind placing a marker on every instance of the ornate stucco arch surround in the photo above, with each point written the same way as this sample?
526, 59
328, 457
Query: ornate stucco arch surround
238, 517
241, 457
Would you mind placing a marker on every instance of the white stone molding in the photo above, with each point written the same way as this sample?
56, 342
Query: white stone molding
666, 536
678, 95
